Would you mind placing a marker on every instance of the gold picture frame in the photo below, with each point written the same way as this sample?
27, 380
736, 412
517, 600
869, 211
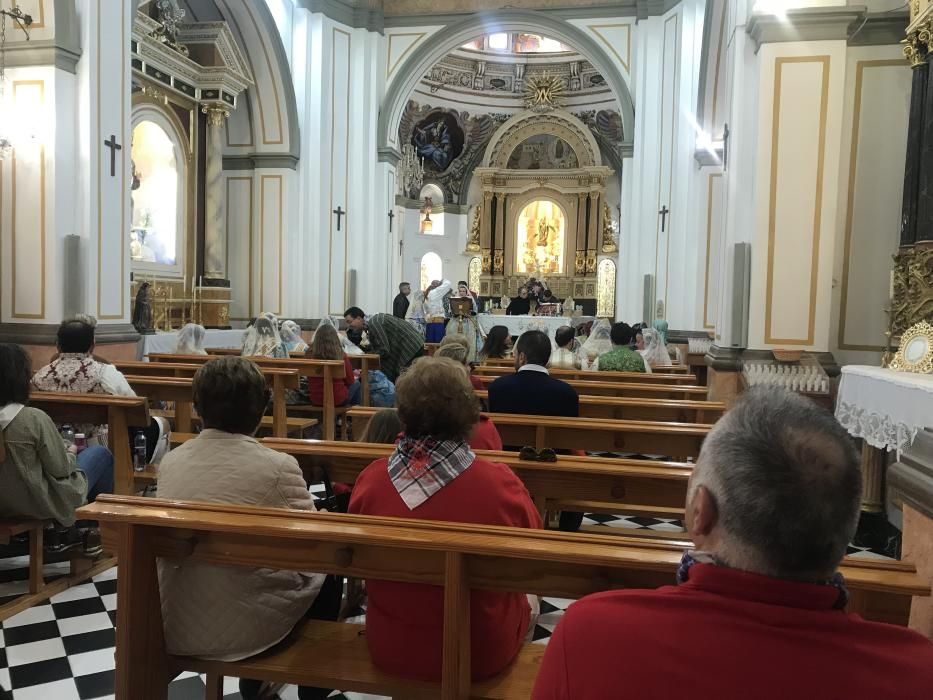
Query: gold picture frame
915, 353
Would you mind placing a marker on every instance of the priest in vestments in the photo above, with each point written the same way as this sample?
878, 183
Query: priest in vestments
437, 309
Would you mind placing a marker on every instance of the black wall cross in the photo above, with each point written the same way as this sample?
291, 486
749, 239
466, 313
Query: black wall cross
114, 147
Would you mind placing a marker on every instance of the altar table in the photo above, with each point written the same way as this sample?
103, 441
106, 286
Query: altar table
519, 324
165, 342
886, 409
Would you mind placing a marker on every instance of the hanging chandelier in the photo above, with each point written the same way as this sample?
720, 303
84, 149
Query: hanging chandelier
23, 21
410, 172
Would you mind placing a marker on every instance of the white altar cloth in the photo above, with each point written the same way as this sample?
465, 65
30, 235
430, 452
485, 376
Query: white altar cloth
519, 324
166, 342
885, 408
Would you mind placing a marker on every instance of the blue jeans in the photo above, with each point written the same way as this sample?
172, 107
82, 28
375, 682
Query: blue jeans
353, 394
97, 464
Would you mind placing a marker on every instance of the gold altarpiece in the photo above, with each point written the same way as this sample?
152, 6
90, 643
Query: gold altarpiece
543, 211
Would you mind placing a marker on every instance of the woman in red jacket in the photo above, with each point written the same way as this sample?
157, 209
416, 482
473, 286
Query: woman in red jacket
433, 474
327, 346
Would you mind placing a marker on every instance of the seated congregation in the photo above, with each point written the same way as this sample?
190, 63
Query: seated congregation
771, 505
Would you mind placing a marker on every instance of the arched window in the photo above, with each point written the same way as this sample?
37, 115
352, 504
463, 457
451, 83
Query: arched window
432, 268
157, 228
473, 273
606, 289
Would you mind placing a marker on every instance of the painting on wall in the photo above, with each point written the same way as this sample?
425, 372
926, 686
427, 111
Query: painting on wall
543, 152
438, 139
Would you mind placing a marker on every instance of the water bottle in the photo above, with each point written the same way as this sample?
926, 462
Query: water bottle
139, 451
68, 435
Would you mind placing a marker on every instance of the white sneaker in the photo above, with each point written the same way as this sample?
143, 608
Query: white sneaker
162, 443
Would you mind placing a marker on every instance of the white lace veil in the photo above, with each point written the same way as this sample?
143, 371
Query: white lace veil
291, 336
599, 341
349, 347
191, 340
655, 352
263, 339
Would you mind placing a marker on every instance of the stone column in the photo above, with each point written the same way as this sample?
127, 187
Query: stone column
215, 244
912, 166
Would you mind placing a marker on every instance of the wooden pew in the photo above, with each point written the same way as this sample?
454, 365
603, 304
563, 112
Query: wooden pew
181, 391
279, 381
81, 567
629, 486
645, 409
119, 413
458, 557
582, 375
627, 389
680, 440
327, 369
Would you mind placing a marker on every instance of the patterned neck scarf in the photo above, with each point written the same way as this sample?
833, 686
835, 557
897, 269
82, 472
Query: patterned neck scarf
71, 372
692, 556
420, 467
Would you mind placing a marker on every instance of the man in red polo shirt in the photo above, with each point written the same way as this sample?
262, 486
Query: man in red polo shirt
759, 612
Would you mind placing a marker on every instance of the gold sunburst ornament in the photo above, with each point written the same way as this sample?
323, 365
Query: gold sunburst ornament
915, 353
543, 92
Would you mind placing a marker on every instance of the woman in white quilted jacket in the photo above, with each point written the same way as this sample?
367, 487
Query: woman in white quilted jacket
222, 612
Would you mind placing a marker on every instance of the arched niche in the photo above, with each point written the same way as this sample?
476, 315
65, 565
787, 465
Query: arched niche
553, 256
426, 54
527, 125
159, 200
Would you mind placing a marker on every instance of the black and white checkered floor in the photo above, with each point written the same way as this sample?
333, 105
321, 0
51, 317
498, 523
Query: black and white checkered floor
63, 649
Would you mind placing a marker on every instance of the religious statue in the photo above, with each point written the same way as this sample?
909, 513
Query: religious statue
609, 242
169, 16
569, 306
473, 240
544, 232
142, 312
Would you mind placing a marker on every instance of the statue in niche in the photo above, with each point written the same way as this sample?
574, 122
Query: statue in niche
142, 311
544, 232
609, 242
473, 240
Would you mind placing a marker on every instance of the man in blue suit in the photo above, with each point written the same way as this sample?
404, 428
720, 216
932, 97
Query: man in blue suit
531, 390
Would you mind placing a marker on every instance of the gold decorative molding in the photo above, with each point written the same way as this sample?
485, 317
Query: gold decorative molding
912, 300
858, 100
709, 238
915, 50
824, 62
216, 114
543, 92
915, 353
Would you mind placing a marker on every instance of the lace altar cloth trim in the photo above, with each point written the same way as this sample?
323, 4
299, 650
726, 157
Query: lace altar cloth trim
876, 429
885, 408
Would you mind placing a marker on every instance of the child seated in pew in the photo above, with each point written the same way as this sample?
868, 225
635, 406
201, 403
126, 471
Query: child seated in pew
222, 612
41, 477
326, 345
434, 475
